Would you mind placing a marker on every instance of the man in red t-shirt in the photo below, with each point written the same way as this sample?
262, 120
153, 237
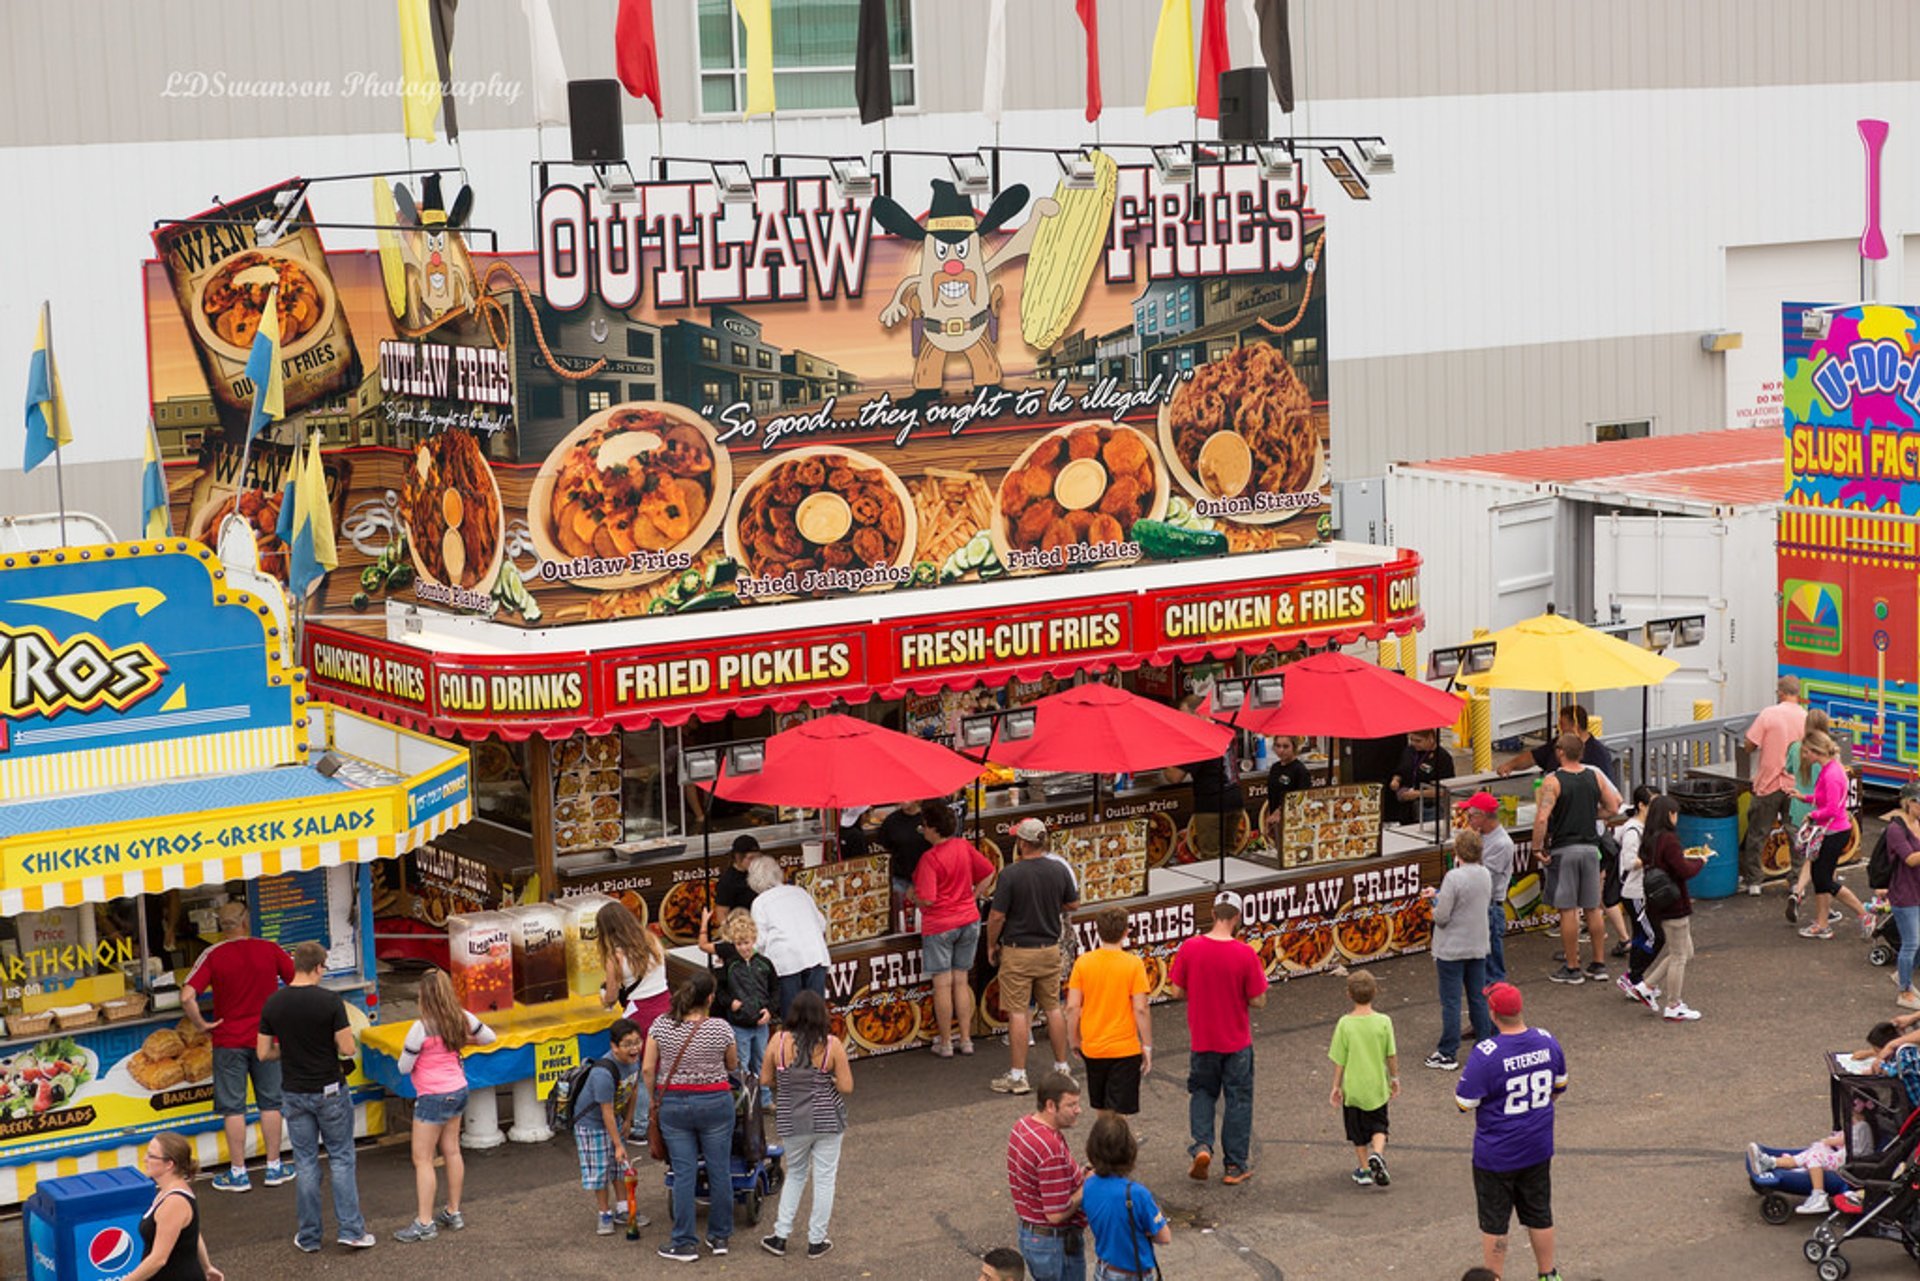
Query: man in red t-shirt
242, 972
1223, 980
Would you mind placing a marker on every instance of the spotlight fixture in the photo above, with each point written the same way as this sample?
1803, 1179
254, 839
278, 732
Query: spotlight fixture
1276, 162
1019, 724
1342, 171
852, 179
971, 177
1172, 163
1375, 158
1814, 322
287, 205
746, 758
700, 765
615, 183
733, 182
1076, 170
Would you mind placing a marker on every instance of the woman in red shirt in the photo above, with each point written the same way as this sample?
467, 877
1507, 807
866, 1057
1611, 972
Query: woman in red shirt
945, 884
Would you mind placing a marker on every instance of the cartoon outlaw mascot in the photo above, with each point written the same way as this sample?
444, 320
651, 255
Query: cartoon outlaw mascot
952, 297
439, 274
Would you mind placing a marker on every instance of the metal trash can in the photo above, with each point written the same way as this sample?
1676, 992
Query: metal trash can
86, 1227
1710, 816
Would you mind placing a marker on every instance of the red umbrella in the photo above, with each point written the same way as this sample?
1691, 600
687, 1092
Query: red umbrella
836, 761
1103, 730
1338, 696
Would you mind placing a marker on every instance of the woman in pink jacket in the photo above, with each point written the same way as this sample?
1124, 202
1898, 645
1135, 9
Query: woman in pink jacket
1835, 827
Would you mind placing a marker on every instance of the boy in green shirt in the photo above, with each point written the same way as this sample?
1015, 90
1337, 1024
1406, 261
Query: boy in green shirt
1366, 1074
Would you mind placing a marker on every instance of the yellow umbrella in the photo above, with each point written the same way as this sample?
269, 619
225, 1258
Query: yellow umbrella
1555, 655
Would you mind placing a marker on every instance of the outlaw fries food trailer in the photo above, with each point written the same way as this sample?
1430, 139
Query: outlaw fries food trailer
160, 755
697, 468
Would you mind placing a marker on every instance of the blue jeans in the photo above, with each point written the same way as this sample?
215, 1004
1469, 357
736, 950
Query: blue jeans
811, 979
1047, 1257
752, 1044
1908, 919
311, 1120
1496, 942
1457, 976
699, 1124
815, 1156
1210, 1074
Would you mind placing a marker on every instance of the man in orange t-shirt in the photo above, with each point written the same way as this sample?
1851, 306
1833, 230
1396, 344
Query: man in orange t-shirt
1108, 1020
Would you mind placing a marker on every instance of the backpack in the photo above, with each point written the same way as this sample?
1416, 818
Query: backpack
1662, 890
566, 1092
1880, 862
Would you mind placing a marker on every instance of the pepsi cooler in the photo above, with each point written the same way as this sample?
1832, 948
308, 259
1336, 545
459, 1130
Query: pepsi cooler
86, 1227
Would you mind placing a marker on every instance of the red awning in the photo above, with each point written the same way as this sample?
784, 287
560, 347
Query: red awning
557, 694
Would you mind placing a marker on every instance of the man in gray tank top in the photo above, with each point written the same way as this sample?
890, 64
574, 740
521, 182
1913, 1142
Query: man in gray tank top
1572, 802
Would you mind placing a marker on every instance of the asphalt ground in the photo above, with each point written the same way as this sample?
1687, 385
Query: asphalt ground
1649, 1179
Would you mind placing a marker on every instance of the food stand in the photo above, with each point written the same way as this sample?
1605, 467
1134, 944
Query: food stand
621, 505
159, 756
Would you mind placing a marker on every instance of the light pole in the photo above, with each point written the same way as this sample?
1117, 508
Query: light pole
1232, 695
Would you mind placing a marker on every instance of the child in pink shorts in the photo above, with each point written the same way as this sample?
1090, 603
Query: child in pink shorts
1828, 1154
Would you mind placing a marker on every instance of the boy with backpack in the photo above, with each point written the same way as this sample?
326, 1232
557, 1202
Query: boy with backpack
747, 983
598, 1104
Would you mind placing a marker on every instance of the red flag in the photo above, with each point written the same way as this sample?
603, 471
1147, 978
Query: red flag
635, 54
1215, 57
1090, 19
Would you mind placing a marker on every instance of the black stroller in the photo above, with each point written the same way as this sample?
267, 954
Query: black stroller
1882, 1132
758, 1168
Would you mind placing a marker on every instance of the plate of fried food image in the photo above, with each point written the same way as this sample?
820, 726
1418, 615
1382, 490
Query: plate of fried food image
680, 911
233, 300
1242, 430
1079, 485
1412, 923
1362, 934
821, 509
643, 476
170, 1058
1160, 833
456, 527
880, 1022
1304, 945
989, 1015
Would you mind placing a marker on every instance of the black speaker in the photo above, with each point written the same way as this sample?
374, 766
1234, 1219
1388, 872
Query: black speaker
593, 113
1243, 105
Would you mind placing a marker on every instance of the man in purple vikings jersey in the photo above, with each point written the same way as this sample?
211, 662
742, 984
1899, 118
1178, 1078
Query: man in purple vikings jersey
1510, 1083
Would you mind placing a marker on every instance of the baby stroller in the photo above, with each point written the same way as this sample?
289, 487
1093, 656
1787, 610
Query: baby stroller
1884, 945
1885, 1204
756, 1168
1867, 1109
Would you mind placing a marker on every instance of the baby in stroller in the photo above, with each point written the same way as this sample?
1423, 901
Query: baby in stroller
1816, 1159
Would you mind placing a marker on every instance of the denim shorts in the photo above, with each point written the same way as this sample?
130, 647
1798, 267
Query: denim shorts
231, 1070
950, 949
438, 1109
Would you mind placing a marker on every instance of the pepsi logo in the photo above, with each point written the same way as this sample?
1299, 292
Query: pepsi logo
112, 1249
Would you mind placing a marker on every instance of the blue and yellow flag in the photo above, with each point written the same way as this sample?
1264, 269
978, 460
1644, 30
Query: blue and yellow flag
310, 550
263, 367
419, 69
47, 426
156, 521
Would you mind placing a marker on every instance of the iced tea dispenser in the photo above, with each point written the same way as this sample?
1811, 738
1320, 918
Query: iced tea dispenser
539, 953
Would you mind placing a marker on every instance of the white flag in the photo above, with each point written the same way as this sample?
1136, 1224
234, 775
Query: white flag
994, 91
549, 72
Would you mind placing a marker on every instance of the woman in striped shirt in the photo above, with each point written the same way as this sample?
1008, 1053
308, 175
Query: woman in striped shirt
688, 1061
808, 1066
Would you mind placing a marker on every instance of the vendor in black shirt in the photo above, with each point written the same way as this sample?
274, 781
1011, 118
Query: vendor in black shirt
1287, 774
1593, 752
1422, 765
901, 838
1215, 793
851, 837
731, 889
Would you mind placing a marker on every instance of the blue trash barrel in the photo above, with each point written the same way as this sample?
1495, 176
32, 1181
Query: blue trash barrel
1710, 816
86, 1227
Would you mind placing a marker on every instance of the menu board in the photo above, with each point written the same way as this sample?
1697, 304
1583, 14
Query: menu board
586, 792
1328, 824
855, 896
289, 909
1109, 859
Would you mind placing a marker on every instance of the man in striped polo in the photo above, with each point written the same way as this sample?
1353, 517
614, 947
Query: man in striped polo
1045, 1181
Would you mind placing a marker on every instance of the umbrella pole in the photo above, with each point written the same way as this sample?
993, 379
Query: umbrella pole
706, 854
1645, 703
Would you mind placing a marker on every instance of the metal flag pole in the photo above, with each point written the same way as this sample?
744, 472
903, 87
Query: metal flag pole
59, 409
246, 448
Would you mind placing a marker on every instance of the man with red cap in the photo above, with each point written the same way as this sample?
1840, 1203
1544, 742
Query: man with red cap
1496, 855
1510, 1083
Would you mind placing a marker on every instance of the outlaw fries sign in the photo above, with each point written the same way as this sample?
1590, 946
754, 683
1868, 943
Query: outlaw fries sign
808, 396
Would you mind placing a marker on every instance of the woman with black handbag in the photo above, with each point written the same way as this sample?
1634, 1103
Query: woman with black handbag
688, 1068
1126, 1221
1667, 871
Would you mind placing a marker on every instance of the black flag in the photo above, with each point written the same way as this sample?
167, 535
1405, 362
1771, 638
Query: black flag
1276, 49
442, 13
872, 69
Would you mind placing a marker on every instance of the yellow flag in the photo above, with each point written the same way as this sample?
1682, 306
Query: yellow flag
317, 511
419, 69
757, 17
1170, 80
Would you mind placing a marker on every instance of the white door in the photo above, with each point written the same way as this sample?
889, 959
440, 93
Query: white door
1660, 566
1526, 553
1759, 279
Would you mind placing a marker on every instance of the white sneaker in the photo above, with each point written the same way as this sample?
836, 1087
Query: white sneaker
1681, 1013
1816, 1203
1753, 889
